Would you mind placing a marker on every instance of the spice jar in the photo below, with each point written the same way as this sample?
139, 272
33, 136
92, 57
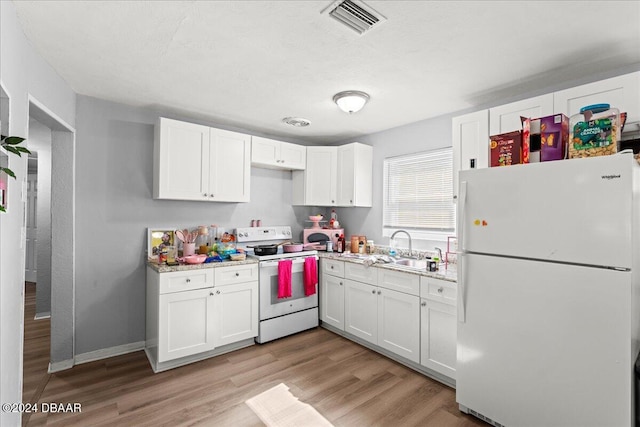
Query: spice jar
354, 244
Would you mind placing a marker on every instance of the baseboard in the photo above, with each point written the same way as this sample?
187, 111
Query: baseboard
105, 353
60, 366
45, 315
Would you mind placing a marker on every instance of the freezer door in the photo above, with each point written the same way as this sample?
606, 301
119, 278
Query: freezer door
576, 211
545, 344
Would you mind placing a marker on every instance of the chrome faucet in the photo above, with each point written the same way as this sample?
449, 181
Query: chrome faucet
408, 236
439, 253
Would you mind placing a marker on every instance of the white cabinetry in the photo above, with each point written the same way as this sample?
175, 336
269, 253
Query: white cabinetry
332, 293
438, 323
335, 176
470, 143
196, 314
272, 154
317, 184
380, 315
506, 118
355, 175
195, 162
621, 92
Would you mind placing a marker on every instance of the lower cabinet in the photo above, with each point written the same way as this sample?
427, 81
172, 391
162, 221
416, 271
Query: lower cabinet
438, 326
383, 317
235, 309
185, 325
332, 300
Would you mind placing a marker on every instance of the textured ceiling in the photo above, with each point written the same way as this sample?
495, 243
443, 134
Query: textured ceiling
248, 64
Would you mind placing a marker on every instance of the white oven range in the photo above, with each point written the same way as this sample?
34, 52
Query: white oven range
279, 317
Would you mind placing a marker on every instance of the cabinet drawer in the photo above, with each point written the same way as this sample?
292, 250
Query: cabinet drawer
438, 290
361, 273
399, 281
236, 274
178, 281
333, 267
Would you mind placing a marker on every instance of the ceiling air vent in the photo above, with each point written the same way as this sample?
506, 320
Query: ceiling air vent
355, 15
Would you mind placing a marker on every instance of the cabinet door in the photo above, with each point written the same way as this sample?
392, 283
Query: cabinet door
320, 176
181, 160
361, 310
293, 156
236, 313
470, 143
506, 118
185, 324
355, 175
264, 151
620, 92
438, 337
332, 301
230, 172
399, 323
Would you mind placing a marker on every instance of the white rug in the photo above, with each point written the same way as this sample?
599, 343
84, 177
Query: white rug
277, 407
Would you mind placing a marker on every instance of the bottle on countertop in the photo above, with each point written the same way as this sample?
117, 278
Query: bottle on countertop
340, 244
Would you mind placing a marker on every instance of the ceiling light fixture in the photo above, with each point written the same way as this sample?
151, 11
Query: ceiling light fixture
351, 101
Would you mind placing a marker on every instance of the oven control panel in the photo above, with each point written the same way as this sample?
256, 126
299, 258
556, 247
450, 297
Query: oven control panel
258, 234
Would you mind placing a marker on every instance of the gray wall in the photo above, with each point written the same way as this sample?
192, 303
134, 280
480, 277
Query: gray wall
22, 73
114, 207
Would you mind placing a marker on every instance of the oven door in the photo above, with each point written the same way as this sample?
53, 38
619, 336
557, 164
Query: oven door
272, 306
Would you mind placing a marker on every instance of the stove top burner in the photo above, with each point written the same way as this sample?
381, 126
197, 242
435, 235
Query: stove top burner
282, 255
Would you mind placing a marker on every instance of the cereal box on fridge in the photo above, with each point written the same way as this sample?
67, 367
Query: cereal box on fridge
506, 149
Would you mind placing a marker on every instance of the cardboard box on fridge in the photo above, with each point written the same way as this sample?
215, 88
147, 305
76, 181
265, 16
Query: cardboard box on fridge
554, 137
508, 149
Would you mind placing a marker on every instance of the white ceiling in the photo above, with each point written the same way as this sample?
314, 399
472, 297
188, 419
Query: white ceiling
248, 64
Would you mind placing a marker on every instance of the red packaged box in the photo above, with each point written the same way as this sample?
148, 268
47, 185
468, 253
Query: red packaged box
506, 149
554, 137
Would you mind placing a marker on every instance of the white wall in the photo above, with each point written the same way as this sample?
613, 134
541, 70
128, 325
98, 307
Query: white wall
22, 72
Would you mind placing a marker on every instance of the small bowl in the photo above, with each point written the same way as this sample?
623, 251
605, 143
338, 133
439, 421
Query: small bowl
316, 217
194, 259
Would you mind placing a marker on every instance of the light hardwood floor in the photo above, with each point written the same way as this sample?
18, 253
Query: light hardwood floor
348, 384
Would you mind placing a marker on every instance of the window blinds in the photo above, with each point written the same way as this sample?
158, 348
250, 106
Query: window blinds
418, 191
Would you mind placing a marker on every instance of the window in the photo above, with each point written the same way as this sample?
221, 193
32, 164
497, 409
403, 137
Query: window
418, 192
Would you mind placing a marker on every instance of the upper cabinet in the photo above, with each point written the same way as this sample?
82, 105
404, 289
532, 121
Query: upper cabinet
196, 162
336, 176
506, 118
470, 143
355, 175
317, 184
622, 92
272, 154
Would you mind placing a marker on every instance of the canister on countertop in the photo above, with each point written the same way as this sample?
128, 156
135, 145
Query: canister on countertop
354, 244
329, 247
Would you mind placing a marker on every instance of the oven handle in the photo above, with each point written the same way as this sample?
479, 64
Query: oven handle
299, 260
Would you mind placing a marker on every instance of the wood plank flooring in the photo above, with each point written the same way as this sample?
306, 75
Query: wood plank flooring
348, 384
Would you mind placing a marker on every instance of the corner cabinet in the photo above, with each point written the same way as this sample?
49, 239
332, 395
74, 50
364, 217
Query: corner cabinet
196, 162
272, 154
336, 176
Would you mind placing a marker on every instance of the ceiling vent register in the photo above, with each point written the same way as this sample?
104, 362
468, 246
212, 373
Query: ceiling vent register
355, 15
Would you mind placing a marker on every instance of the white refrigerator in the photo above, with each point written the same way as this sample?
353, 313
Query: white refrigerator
549, 295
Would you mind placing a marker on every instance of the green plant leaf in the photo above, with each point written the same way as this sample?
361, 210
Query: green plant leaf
13, 150
12, 140
23, 150
8, 172
2, 209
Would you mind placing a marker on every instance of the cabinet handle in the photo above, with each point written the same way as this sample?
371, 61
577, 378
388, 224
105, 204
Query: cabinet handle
210, 294
373, 291
424, 303
218, 292
333, 201
440, 290
237, 274
332, 267
379, 292
205, 194
188, 280
351, 201
340, 283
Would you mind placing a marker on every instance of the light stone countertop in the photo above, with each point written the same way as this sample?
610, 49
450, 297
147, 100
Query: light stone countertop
450, 274
189, 267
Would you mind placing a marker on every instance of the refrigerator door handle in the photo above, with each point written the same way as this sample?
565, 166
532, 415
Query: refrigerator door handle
462, 315
462, 201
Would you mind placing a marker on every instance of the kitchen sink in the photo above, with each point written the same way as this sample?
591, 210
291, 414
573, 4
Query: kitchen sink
418, 264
